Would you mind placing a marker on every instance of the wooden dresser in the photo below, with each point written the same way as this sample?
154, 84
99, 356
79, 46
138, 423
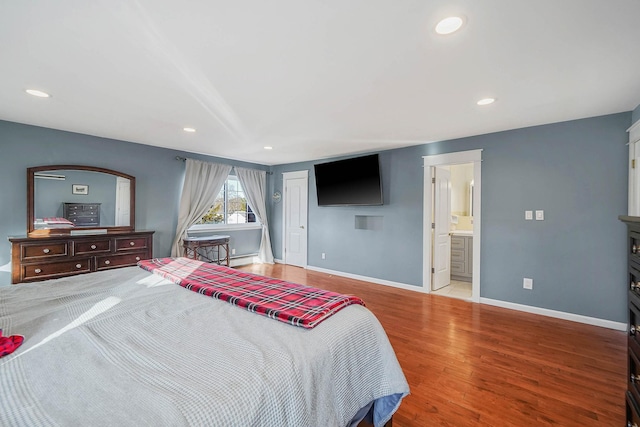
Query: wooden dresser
633, 326
54, 256
82, 214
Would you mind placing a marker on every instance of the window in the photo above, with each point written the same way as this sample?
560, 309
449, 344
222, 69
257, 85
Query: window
230, 206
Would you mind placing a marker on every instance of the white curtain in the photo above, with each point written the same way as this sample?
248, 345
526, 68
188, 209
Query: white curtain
254, 183
202, 183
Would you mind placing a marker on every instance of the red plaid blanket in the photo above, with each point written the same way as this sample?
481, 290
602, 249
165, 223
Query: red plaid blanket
288, 302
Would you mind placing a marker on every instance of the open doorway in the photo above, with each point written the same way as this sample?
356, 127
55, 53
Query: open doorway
453, 233
451, 243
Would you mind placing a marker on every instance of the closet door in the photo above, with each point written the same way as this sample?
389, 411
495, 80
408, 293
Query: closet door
295, 218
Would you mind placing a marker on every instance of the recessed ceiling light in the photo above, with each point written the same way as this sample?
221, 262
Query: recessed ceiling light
449, 25
38, 93
189, 130
268, 147
486, 101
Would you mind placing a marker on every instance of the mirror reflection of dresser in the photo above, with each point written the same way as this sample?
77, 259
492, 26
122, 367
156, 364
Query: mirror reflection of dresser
82, 214
80, 219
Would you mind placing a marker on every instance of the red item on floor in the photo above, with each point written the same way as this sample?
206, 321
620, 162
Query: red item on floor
9, 344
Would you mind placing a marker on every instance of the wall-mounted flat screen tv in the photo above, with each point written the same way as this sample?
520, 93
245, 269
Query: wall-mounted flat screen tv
349, 182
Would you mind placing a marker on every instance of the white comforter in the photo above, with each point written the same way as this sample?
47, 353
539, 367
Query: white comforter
127, 348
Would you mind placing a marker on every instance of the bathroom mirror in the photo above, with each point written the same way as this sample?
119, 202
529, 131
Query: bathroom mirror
63, 199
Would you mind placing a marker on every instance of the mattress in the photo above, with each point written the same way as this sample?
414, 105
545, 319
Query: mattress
126, 347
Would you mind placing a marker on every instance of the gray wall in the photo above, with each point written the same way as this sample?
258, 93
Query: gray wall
159, 179
575, 171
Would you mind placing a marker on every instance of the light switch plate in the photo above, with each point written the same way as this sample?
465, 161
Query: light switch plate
527, 283
539, 215
528, 215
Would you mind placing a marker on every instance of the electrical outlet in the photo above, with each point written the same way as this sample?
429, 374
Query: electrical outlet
233, 251
527, 283
323, 256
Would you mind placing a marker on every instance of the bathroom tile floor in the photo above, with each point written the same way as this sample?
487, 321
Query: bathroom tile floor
456, 289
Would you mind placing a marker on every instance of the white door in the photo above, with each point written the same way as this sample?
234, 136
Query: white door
442, 227
295, 218
123, 198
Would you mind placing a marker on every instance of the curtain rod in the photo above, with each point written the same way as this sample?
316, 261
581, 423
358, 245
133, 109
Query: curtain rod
184, 159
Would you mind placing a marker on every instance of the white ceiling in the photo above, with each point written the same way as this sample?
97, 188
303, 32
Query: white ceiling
313, 78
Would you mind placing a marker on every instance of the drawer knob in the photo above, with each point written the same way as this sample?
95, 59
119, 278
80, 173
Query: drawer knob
46, 251
634, 378
132, 244
630, 424
38, 271
78, 265
107, 262
633, 329
93, 246
137, 258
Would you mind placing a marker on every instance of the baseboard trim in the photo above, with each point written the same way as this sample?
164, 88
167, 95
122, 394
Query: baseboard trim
619, 326
367, 279
242, 260
594, 321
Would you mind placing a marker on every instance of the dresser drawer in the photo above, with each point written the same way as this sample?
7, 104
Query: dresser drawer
457, 255
634, 280
131, 243
84, 220
55, 269
72, 208
457, 267
43, 250
633, 381
634, 325
634, 247
121, 260
88, 214
92, 247
457, 242
633, 417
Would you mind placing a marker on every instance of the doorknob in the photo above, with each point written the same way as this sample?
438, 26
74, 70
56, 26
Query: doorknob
302, 226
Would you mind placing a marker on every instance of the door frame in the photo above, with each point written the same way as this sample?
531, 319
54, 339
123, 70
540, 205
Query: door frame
470, 156
286, 176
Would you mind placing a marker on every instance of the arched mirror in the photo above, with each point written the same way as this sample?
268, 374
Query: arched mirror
68, 199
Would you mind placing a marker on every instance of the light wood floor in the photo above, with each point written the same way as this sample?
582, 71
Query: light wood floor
472, 364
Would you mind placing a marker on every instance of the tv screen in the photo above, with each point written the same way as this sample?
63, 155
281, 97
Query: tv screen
349, 182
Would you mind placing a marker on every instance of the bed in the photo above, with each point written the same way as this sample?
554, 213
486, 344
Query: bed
128, 347
52, 222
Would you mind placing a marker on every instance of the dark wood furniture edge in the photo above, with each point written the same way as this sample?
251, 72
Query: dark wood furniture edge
17, 262
633, 309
